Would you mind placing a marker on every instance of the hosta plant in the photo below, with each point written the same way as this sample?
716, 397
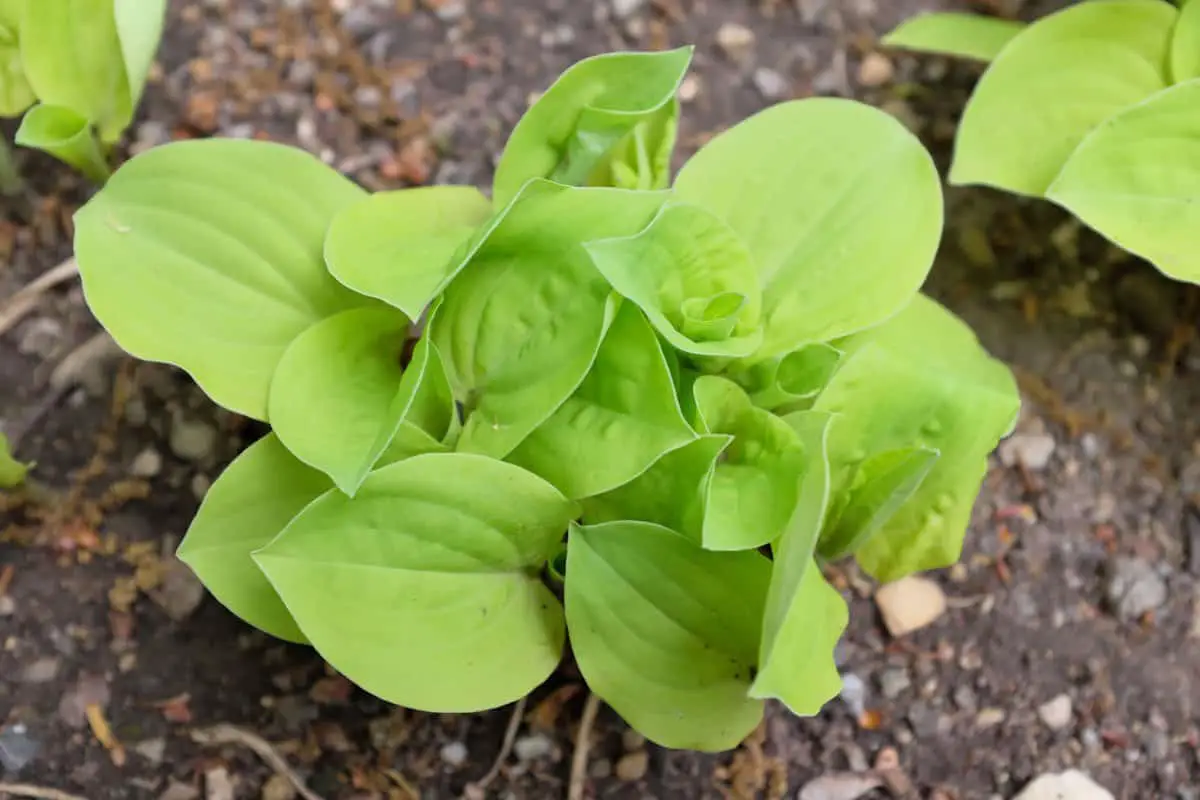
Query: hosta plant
601, 405
76, 69
1096, 108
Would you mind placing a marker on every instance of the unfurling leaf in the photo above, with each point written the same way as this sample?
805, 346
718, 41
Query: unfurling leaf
593, 106
956, 34
1053, 84
139, 29
186, 262
793, 379
843, 231
424, 589
65, 135
667, 633
621, 419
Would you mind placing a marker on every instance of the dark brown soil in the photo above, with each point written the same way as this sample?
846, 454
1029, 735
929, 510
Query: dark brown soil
398, 93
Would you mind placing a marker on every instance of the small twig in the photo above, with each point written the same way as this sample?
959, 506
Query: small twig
36, 792
510, 736
230, 734
582, 744
26, 298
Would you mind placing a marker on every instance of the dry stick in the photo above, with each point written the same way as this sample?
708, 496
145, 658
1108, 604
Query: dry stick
36, 792
229, 734
26, 298
582, 745
510, 736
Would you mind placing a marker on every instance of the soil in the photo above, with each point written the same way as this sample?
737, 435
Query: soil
1096, 491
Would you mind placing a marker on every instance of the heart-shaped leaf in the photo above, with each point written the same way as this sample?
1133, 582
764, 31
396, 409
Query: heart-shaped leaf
753, 490
670, 493
186, 262
520, 325
955, 34
1055, 82
841, 241
667, 633
424, 589
692, 276
256, 496
621, 419
401, 246
1134, 179
566, 135
944, 394
65, 135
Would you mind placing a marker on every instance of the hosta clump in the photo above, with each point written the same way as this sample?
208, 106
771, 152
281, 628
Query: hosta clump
1096, 108
601, 405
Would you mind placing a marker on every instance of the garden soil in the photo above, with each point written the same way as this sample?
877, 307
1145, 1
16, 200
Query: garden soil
1070, 633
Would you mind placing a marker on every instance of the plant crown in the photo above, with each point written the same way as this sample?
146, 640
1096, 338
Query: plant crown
601, 404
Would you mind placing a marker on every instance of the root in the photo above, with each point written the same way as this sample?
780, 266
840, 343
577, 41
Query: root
25, 300
36, 792
229, 734
583, 743
510, 736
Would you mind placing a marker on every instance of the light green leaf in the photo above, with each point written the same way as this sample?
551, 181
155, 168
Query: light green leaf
16, 94
754, 486
256, 496
692, 276
72, 57
65, 135
1135, 179
339, 393
425, 588
1185, 45
401, 246
670, 493
881, 484
621, 419
139, 29
642, 160
667, 633
592, 106
804, 616
955, 34
945, 394
1053, 84
840, 206
520, 325
12, 472
187, 260
786, 381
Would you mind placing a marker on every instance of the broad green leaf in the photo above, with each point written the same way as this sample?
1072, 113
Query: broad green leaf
520, 325
753, 490
65, 135
139, 29
1185, 45
206, 254
339, 393
256, 496
592, 106
788, 380
955, 34
840, 205
670, 493
425, 588
880, 486
16, 94
12, 472
621, 419
642, 160
1054, 83
804, 616
692, 276
667, 633
945, 394
72, 57
1135, 179
400, 246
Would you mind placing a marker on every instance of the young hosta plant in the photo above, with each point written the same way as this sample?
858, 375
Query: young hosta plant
1094, 108
76, 70
599, 406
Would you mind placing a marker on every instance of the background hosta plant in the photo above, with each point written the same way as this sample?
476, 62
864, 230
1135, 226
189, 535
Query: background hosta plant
76, 70
1094, 108
599, 406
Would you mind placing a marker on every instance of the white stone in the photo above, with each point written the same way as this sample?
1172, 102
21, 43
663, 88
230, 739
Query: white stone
1069, 785
910, 604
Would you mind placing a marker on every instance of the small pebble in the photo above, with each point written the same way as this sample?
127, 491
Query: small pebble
601, 769
40, 337
17, 748
735, 40
454, 754
1056, 714
632, 740
1069, 785
838, 786
632, 766
909, 604
623, 9
989, 717
278, 787
854, 693
894, 682
533, 747
1033, 450
770, 84
1134, 588
192, 440
152, 749
875, 70
43, 670
146, 464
